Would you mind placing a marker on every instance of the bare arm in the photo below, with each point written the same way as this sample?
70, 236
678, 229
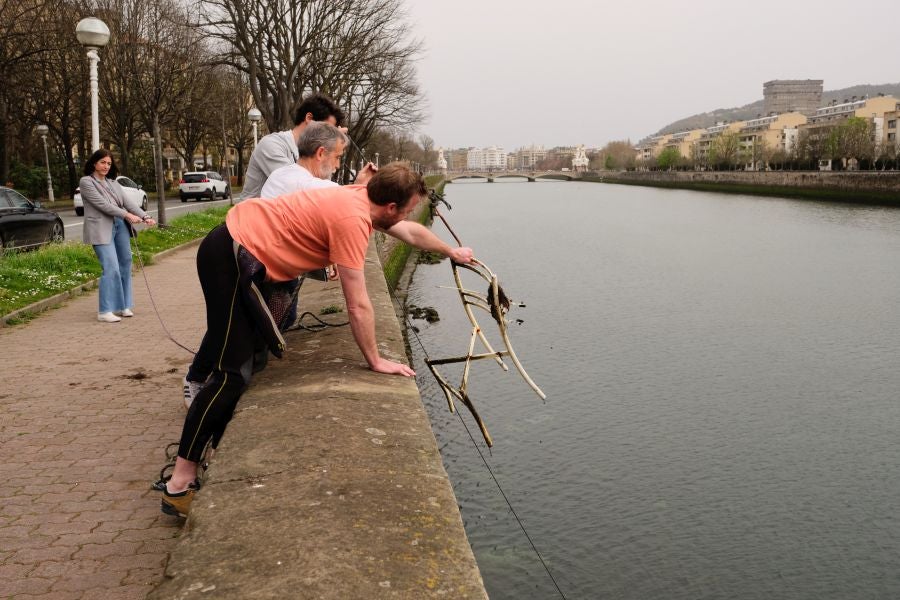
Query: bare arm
362, 322
365, 174
422, 238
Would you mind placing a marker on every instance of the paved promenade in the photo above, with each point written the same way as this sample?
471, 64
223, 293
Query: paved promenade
87, 409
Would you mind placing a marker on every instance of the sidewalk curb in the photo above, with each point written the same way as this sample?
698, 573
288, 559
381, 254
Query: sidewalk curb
60, 298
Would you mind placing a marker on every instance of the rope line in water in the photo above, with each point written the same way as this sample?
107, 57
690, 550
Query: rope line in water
322, 325
412, 328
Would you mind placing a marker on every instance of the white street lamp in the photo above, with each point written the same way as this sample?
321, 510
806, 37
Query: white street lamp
93, 34
254, 115
43, 130
376, 160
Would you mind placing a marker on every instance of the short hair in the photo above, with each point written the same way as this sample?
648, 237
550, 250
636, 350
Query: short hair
395, 182
319, 134
91, 165
321, 107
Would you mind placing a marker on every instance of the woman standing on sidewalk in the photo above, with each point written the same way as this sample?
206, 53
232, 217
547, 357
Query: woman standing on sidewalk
108, 218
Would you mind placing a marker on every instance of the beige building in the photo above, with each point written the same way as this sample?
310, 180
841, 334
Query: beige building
456, 158
759, 138
650, 147
831, 115
526, 157
683, 141
704, 143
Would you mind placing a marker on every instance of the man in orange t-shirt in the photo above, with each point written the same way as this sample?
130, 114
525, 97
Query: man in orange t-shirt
277, 240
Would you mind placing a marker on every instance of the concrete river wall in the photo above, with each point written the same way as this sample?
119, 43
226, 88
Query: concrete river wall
328, 482
881, 187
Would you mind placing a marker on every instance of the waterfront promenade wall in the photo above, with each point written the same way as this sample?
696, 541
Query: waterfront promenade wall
328, 482
853, 186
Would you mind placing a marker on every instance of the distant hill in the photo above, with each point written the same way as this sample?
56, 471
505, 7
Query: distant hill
754, 109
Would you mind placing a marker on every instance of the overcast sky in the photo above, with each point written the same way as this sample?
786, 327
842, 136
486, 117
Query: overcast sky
512, 73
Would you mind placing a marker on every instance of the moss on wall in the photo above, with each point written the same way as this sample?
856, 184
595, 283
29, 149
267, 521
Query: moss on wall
394, 253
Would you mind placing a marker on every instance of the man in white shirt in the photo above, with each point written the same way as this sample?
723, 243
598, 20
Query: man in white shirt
280, 148
319, 148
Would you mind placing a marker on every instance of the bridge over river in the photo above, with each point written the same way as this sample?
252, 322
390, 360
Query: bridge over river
492, 176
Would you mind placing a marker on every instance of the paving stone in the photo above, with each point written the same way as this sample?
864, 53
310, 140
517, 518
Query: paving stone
56, 569
37, 555
28, 585
96, 582
81, 443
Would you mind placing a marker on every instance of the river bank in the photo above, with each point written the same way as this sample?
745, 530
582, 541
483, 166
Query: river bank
866, 187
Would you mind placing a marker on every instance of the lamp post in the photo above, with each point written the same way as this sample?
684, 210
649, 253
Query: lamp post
43, 130
376, 160
254, 115
93, 34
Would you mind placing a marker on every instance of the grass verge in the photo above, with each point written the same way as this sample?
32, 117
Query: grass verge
27, 277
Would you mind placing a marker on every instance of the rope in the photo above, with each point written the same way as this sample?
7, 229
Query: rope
150, 294
506, 499
298, 324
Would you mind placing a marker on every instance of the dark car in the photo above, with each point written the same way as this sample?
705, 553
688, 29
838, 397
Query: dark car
24, 225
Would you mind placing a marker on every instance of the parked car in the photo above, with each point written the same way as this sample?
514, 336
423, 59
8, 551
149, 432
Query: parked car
203, 184
25, 225
132, 190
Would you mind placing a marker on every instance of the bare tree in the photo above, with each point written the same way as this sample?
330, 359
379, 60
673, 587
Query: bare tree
158, 49
57, 97
724, 150
18, 46
356, 51
198, 119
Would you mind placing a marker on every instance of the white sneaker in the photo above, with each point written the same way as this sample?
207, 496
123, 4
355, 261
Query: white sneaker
108, 317
127, 312
190, 389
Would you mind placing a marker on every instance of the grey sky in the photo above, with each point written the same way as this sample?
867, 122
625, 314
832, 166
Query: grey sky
509, 73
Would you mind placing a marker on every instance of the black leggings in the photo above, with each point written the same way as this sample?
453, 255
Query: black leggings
226, 349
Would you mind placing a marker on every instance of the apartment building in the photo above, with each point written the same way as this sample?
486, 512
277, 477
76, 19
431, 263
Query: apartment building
683, 141
827, 117
457, 158
486, 159
650, 147
760, 137
889, 140
526, 157
704, 143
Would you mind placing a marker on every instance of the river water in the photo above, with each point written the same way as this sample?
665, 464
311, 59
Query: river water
722, 377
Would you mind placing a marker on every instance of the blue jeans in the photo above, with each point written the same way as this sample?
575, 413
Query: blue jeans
115, 259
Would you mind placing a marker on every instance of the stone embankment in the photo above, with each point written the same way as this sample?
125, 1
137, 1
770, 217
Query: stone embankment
328, 482
881, 187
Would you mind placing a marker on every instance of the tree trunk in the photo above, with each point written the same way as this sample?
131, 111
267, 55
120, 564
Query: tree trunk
4, 141
160, 175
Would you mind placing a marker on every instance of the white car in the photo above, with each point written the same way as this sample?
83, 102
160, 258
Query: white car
203, 185
132, 190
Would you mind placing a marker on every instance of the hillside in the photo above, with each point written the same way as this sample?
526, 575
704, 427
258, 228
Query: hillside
754, 109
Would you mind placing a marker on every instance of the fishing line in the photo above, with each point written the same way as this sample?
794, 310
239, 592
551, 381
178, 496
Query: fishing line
506, 499
319, 324
150, 292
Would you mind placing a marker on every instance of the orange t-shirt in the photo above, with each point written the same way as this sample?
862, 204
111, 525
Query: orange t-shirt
305, 230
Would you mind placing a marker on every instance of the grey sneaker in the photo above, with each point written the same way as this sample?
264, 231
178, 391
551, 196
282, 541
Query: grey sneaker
190, 389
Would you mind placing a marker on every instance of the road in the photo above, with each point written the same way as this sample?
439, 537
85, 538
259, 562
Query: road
174, 208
